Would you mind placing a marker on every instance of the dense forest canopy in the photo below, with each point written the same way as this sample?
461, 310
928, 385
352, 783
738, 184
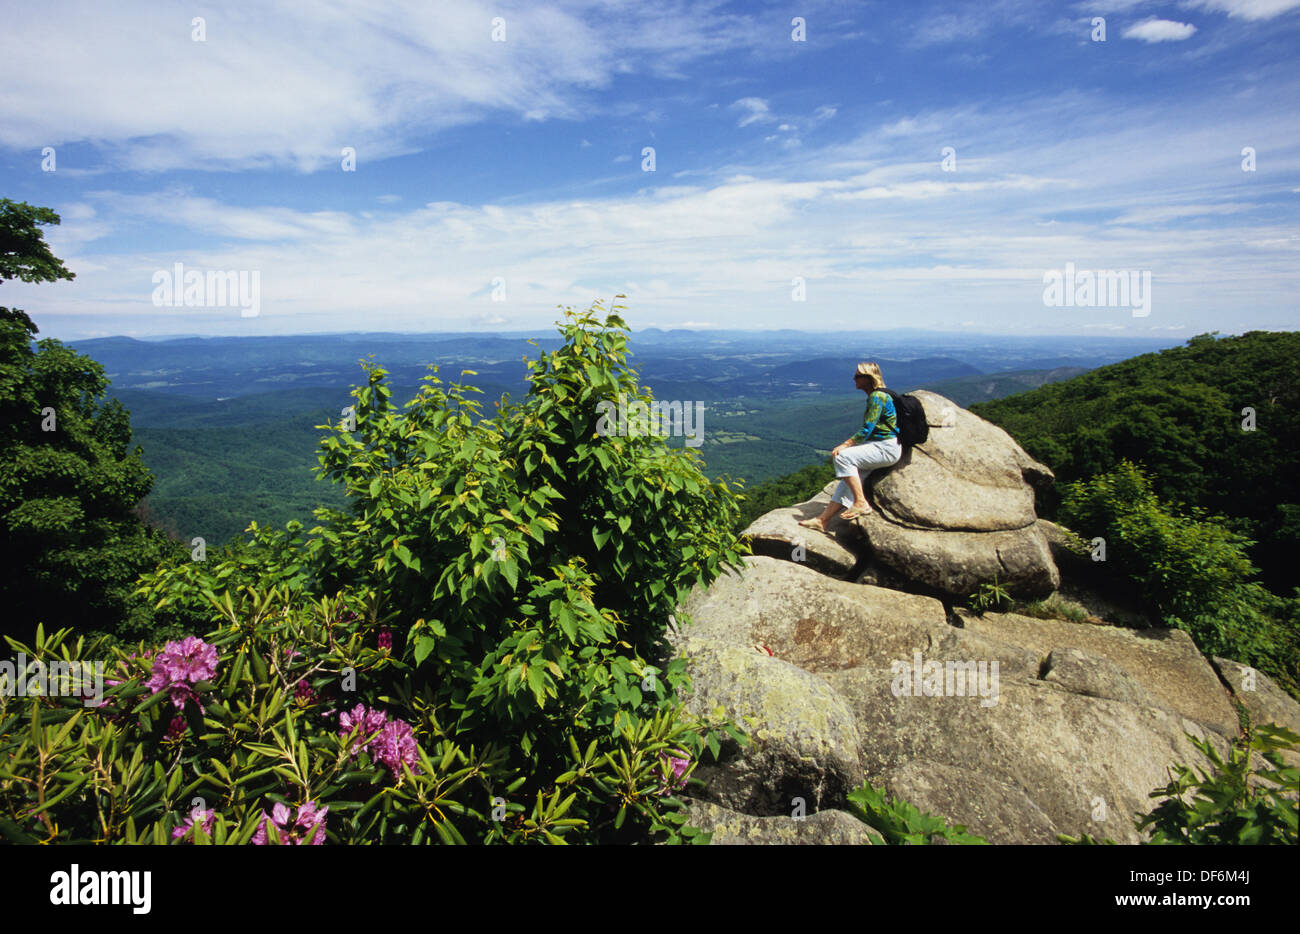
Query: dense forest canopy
1215, 424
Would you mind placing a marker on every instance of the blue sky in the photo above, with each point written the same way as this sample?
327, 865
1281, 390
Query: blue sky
495, 180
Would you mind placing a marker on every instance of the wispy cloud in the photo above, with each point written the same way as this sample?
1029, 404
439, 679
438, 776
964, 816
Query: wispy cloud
1247, 9
753, 110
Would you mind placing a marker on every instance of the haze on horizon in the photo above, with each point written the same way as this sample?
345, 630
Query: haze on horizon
869, 166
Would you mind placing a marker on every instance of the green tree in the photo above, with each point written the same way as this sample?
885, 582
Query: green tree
24, 254
73, 545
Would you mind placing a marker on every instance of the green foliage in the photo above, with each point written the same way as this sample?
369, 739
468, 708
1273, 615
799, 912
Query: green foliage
1055, 607
1179, 414
71, 541
901, 823
527, 565
1232, 803
265, 730
1227, 806
1192, 570
991, 596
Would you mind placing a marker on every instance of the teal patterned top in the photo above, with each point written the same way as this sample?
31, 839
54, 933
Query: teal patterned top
879, 421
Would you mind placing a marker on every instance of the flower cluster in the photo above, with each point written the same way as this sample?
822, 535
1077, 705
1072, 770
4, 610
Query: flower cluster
307, 828
199, 815
180, 665
389, 741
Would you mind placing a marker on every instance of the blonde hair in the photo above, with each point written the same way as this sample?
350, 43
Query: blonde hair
872, 372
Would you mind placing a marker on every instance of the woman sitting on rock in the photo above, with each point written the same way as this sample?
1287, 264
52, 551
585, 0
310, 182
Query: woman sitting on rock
873, 446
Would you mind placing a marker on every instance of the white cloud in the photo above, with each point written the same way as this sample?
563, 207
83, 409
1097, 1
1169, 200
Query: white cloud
1159, 30
1161, 213
1247, 9
755, 111
280, 84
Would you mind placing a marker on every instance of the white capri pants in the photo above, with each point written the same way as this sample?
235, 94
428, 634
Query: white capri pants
864, 458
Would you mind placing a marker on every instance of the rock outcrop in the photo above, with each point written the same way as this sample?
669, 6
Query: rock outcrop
1018, 728
848, 658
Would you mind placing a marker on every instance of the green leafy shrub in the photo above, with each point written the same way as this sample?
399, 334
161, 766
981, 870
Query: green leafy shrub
1191, 569
495, 595
900, 822
1232, 803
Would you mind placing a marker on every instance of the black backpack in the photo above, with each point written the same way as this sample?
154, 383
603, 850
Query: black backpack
912, 426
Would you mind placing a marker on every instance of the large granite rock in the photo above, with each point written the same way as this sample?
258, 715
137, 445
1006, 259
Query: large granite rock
1034, 727
1264, 701
1087, 764
809, 620
778, 534
1002, 811
956, 564
1164, 663
804, 744
731, 828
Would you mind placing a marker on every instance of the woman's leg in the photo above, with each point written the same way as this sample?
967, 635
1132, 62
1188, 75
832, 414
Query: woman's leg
851, 465
846, 468
854, 481
864, 459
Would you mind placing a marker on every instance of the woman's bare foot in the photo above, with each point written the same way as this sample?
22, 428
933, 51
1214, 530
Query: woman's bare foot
813, 523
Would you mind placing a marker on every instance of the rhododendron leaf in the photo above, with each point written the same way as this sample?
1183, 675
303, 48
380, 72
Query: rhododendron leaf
152, 700
237, 672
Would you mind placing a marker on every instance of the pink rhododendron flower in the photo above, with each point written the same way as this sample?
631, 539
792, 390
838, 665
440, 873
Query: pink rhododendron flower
369, 721
391, 742
180, 665
308, 828
385, 639
207, 817
394, 746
